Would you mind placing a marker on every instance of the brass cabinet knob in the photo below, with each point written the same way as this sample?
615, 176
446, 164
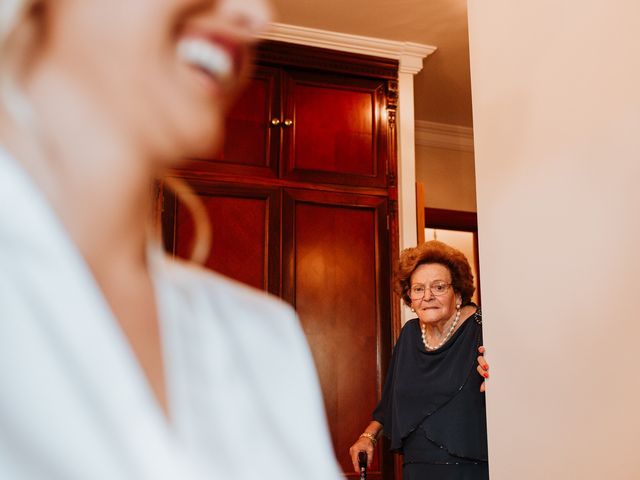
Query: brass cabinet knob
288, 122
275, 122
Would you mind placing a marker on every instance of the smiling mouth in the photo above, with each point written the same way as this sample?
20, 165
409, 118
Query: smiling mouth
209, 57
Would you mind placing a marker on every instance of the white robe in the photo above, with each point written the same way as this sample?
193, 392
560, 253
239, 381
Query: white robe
74, 403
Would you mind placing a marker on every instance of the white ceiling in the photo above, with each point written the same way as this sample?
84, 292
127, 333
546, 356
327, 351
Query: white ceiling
443, 88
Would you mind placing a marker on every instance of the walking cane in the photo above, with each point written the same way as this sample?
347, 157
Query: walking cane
362, 461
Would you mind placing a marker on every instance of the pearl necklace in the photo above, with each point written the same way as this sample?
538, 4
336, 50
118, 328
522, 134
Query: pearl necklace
446, 337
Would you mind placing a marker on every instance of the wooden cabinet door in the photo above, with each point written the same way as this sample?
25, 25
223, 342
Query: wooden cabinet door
335, 273
251, 141
299, 200
245, 225
335, 129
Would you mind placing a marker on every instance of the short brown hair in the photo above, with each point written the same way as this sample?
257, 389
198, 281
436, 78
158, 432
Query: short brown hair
434, 251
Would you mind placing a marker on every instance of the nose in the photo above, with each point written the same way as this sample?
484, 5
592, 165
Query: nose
252, 17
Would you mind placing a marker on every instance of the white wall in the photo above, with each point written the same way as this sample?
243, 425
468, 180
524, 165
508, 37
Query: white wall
557, 144
448, 177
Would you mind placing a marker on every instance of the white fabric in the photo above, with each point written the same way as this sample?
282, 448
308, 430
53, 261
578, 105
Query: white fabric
74, 403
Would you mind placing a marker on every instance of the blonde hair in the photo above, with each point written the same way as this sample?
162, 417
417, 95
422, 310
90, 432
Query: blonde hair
11, 13
12, 101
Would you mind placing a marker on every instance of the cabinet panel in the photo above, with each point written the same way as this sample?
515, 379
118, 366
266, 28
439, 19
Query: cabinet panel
335, 253
338, 134
306, 210
245, 234
251, 143
335, 139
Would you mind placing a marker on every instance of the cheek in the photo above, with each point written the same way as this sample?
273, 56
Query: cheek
188, 129
177, 119
128, 68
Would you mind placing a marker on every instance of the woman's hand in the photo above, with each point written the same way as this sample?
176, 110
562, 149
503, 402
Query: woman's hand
363, 444
483, 368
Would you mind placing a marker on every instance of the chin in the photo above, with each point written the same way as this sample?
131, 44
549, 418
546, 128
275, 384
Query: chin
195, 140
433, 319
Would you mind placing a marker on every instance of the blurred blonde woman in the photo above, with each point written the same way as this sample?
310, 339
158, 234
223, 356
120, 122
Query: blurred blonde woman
116, 362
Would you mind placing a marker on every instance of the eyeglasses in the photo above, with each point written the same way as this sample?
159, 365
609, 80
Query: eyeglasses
418, 291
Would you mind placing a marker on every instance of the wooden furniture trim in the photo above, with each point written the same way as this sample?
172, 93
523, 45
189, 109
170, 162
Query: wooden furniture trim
276, 53
195, 174
451, 219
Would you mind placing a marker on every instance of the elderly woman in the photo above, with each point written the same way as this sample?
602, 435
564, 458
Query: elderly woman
433, 407
116, 362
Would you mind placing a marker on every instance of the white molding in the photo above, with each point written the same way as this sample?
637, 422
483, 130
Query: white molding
410, 55
406, 162
442, 135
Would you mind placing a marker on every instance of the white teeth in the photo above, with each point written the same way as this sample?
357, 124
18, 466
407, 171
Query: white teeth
210, 57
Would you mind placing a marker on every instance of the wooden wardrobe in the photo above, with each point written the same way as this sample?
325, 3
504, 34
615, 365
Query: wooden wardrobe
303, 204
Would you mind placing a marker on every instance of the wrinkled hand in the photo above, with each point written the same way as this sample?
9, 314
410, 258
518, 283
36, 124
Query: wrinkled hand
483, 368
362, 445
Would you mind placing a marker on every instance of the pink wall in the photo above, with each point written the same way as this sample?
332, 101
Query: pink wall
556, 98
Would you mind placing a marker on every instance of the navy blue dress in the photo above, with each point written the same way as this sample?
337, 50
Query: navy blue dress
432, 409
